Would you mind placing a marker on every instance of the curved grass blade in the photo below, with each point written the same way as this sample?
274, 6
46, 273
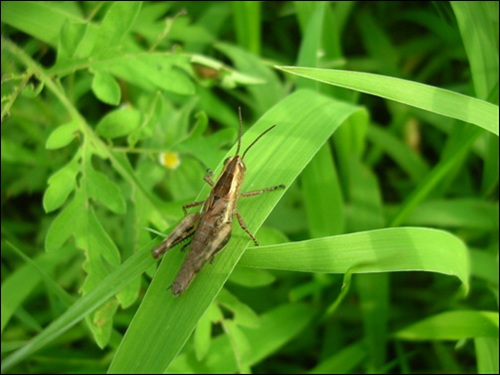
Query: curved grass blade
382, 250
433, 99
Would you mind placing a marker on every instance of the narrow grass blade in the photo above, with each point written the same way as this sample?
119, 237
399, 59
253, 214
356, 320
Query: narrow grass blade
434, 99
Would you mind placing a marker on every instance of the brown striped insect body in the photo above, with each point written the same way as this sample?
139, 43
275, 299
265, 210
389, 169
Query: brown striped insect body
211, 228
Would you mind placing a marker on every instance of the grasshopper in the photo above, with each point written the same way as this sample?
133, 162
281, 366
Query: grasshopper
211, 228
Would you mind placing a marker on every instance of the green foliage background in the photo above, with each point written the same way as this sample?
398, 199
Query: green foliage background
381, 255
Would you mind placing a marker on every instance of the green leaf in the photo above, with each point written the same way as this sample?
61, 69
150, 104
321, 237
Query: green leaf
119, 123
243, 315
383, 250
31, 90
101, 322
434, 99
277, 327
104, 190
453, 325
115, 26
150, 71
65, 224
70, 37
61, 184
203, 332
62, 136
240, 346
15, 153
147, 200
106, 88
102, 255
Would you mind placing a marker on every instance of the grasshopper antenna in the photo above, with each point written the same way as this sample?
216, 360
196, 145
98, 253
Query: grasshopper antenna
240, 131
240, 135
255, 141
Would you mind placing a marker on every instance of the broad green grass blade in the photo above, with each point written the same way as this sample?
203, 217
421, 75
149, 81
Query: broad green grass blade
111, 285
453, 325
434, 99
305, 120
384, 250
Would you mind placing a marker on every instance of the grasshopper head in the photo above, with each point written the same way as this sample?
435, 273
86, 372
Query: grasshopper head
235, 166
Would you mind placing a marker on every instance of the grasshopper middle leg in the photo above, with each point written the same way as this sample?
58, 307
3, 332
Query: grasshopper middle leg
250, 194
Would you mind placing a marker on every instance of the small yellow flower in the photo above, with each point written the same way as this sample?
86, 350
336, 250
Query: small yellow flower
170, 159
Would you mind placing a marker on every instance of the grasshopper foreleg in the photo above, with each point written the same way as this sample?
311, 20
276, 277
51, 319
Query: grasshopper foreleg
208, 177
189, 205
208, 180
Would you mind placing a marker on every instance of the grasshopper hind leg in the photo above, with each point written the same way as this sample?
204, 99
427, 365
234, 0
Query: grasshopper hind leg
184, 230
244, 227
